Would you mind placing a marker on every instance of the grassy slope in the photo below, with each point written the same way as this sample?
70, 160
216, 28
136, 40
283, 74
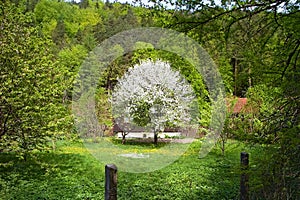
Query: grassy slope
72, 173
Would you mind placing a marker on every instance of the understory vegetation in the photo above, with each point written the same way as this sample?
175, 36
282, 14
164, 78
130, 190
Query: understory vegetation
48, 51
71, 172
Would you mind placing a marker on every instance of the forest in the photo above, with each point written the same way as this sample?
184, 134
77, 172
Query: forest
46, 46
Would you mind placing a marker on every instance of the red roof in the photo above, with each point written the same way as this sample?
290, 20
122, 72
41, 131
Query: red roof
241, 102
236, 105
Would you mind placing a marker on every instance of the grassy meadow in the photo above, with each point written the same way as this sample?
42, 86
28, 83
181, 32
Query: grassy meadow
71, 172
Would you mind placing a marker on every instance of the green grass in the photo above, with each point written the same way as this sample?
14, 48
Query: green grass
71, 172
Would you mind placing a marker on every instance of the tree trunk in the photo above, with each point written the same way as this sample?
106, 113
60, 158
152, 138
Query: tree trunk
235, 74
249, 77
155, 138
123, 138
223, 147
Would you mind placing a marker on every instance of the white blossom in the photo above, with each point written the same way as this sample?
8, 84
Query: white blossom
153, 94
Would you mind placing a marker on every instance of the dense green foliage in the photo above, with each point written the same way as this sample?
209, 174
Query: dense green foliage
32, 84
260, 42
255, 44
72, 173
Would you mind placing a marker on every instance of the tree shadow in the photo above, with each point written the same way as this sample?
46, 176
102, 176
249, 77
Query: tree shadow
146, 142
51, 175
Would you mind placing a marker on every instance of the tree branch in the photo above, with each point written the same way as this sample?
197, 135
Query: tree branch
261, 8
290, 58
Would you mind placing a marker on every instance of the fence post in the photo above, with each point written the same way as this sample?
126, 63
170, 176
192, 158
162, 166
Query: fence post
110, 182
244, 188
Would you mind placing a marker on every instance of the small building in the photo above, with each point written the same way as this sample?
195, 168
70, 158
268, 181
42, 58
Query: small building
140, 132
236, 105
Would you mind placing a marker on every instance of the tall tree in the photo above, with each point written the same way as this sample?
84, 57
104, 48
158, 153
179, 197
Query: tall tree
152, 94
31, 109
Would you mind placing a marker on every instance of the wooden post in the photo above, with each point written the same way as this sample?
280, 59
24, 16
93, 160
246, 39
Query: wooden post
110, 182
244, 188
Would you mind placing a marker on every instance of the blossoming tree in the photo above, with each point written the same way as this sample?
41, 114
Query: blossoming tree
153, 95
